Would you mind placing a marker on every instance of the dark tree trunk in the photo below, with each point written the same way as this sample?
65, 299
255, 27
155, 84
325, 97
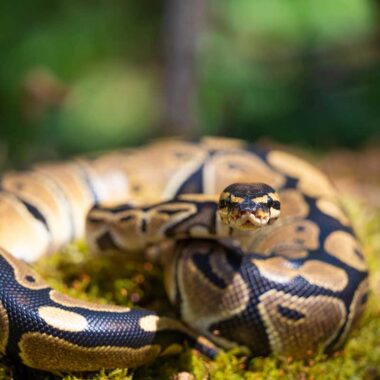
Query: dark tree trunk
182, 28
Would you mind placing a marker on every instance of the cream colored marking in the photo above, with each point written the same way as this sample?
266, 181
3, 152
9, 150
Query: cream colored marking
315, 272
65, 300
312, 181
274, 213
178, 178
323, 318
344, 246
50, 353
293, 204
332, 209
235, 199
163, 170
62, 319
72, 182
23, 272
291, 239
274, 196
233, 167
199, 232
355, 312
16, 221
45, 195
263, 199
199, 197
107, 177
4, 329
149, 323
152, 323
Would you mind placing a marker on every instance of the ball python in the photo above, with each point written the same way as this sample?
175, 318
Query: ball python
239, 273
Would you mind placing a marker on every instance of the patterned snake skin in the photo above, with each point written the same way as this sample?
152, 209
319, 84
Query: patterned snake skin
288, 288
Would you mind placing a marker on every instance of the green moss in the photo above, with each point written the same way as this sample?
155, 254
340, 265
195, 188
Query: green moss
116, 280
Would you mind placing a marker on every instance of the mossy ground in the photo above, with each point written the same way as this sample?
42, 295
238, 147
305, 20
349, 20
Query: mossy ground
114, 280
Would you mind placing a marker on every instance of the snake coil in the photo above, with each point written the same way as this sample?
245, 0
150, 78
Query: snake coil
293, 286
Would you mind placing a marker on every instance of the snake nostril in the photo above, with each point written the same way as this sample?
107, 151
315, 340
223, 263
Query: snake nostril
260, 214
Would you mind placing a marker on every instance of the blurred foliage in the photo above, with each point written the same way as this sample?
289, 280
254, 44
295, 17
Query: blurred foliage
78, 76
99, 55
297, 71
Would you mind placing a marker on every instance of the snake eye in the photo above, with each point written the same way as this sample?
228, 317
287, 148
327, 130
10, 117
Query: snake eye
270, 202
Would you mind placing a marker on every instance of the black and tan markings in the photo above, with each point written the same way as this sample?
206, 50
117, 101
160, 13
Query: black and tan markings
290, 287
66, 327
130, 228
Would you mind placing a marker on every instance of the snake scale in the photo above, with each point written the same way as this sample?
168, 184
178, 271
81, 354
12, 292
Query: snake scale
292, 286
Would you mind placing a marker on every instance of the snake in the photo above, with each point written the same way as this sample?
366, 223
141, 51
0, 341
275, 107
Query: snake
256, 248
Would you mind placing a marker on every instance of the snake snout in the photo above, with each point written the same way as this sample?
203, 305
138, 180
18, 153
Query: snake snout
262, 214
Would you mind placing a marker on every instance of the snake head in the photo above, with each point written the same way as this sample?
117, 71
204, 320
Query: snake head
247, 206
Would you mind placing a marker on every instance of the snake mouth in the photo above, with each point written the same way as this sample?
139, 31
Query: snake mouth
248, 220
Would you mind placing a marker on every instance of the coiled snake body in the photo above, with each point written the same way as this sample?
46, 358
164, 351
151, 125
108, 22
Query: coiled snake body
287, 288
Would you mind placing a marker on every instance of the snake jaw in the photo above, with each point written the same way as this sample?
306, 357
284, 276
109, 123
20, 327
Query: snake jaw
252, 220
249, 220
259, 219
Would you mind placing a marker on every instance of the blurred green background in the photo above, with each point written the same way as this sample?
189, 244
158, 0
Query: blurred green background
78, 76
